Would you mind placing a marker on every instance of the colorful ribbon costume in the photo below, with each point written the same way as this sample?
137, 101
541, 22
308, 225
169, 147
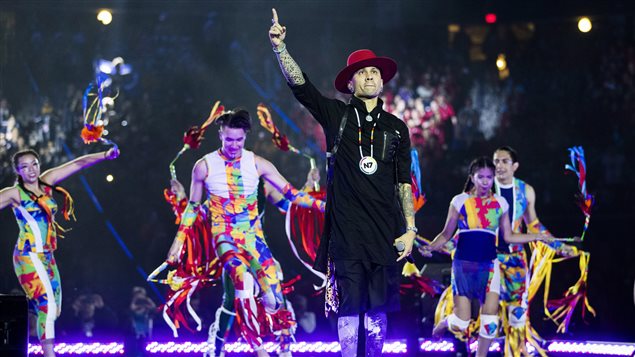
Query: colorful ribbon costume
238, 240
33, 259
521, 280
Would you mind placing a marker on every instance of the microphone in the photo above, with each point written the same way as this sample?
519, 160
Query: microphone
401, 246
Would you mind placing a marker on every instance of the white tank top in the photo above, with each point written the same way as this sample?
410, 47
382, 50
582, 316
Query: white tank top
218, 174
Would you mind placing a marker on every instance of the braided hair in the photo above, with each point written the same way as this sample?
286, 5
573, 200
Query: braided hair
67, 210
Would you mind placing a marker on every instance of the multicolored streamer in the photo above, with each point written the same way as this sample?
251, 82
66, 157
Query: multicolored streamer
585, 200
303, 228
193, 137
93, 130
417, 283
561, 310
419, 198
279, 139
198, 266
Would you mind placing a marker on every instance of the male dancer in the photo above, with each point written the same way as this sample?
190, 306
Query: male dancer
230, 178
513, 260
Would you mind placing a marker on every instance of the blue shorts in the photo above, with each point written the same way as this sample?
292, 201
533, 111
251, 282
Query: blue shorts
475, 279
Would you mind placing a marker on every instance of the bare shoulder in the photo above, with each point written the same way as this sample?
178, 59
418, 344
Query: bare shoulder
259, 158
10, 195
529, 191
262, 162
199, 172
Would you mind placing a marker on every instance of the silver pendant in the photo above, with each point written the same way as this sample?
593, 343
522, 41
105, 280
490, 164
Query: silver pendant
369, 118
368, 165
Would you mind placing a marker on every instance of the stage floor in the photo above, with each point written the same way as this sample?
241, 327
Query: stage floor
423, 347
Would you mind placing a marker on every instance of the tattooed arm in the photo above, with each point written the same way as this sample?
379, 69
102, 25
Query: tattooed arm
407, 206
288, 65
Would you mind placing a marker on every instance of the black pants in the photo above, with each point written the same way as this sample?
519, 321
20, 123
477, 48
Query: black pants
366, 287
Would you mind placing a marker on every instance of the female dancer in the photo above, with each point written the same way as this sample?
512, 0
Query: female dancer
34, 208
480, 215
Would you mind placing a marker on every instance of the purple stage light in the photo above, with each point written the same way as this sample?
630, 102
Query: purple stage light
426, 345
591, 347
81, 348
572, 347
494, 347
390, 347
435, 346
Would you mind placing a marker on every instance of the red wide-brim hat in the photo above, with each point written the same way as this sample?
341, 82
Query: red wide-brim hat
360, 59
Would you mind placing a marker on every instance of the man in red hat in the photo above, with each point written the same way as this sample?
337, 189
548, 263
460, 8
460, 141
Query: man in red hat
369, 224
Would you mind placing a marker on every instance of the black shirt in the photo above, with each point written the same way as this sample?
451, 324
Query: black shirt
364, 210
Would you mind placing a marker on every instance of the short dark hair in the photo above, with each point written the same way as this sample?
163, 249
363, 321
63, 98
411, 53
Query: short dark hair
512, 152
238, 118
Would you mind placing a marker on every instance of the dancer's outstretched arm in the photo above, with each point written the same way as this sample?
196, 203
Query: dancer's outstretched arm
273, 177
55, 175
535, 226
448, 231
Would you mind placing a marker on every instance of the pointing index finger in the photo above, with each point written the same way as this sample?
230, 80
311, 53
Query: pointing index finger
275, 16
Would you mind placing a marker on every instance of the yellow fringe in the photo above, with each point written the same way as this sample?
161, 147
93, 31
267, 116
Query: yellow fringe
410, 269
543, 258
559, 314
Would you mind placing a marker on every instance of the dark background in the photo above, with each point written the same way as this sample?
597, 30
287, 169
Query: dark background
564, 88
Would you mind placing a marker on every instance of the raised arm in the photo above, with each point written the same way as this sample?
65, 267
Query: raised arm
55, 175
271, 175
9, 196
290, 69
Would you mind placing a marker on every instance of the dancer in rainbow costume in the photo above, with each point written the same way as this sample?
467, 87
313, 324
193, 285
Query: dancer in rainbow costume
206, 260
229, 177
481, 218
34, 207
520, 280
